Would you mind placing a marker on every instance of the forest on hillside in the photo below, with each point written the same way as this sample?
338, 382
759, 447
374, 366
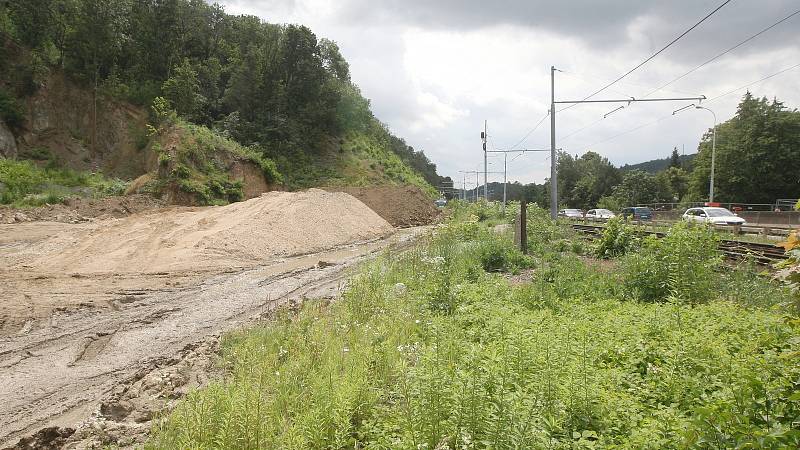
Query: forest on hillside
275, 88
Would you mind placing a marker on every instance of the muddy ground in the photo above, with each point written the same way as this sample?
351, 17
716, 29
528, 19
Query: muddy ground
76, 210
106, 323
125, 347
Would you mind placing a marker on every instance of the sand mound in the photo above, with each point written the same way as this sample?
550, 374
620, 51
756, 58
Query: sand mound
401, 206
237, 235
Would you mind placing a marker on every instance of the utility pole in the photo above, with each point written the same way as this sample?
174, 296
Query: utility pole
505, 165
505, 178
477, 185
484, 137
553, 171
713, 153
553, 103
713, 146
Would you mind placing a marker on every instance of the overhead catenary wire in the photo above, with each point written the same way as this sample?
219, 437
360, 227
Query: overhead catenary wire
705, 63
679, 37
535, 127
660, 119
725, 52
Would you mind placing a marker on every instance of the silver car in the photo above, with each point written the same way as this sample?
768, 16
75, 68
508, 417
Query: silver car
571, 213
712, 215
599, 214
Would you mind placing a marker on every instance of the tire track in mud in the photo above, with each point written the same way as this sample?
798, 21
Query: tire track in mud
88, 369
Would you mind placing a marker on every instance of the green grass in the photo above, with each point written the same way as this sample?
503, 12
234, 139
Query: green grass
360, 160
427, 349
201, 163
26, 184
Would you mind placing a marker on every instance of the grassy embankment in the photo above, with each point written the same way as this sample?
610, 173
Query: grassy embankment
361, 158
26, 184
439, 347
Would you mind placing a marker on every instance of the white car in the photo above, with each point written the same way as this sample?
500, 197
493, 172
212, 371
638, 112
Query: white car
599, 214
571, 213
716, 216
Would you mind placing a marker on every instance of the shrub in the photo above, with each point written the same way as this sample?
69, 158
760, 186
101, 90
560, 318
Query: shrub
618, 237
499, 254
789, 270
27, 184
681, 265
10, 110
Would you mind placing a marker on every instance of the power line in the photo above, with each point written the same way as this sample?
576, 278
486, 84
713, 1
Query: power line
532, 130
725, 52
693, 70
653, 55
754, 82
706, 101
585, 77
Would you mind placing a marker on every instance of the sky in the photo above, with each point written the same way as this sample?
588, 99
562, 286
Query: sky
435, 70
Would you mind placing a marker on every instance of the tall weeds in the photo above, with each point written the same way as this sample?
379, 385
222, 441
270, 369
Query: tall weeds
429, 350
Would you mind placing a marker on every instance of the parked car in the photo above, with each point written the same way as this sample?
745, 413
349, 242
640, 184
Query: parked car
571, 213
440, 203
599, 214
716, 216
638, 213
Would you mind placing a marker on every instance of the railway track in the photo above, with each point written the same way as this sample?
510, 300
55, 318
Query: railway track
764, 254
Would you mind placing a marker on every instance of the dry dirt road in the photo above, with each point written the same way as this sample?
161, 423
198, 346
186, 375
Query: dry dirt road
123, 346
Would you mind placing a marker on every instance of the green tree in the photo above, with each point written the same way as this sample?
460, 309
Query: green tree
674, 182
675, 159
638, 187
183, 90
756, 156
583, 181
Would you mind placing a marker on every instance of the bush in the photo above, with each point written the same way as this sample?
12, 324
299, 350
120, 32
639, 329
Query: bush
499, 254
421, 353
10, 110
26, 184
618, 237
681, 265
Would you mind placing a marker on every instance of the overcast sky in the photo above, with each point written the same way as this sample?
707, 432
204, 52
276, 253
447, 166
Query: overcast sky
434, 70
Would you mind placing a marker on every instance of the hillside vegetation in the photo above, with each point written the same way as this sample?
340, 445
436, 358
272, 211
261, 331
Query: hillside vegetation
276, 91
455, 344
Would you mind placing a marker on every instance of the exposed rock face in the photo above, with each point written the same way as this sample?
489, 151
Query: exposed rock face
61, 122
8, 145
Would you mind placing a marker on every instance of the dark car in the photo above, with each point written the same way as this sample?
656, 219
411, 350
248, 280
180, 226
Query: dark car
638, 213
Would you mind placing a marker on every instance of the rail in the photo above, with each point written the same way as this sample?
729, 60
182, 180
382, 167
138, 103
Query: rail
777, 231
764, 254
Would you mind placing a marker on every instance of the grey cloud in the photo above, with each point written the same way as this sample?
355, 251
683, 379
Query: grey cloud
599, 24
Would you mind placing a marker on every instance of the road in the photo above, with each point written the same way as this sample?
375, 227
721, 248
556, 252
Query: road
126, 348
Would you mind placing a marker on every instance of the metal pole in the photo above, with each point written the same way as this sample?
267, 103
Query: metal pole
553, 170
505, 179
477, 185
713, 154
485, 163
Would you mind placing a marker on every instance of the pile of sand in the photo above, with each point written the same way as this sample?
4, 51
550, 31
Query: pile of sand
401, 206
237, 235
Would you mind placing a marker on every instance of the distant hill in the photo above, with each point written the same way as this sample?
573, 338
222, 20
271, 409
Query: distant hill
657, 165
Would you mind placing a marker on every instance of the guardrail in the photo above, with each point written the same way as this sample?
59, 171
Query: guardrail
764, 254
737, 230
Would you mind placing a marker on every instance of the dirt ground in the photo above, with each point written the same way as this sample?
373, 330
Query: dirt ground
401, 206
105, 323
78, 210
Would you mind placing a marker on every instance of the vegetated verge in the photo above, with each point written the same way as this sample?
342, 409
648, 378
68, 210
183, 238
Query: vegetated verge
436, 348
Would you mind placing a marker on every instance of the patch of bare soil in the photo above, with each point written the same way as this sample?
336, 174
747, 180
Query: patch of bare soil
107, 323
78, 210
401, 206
